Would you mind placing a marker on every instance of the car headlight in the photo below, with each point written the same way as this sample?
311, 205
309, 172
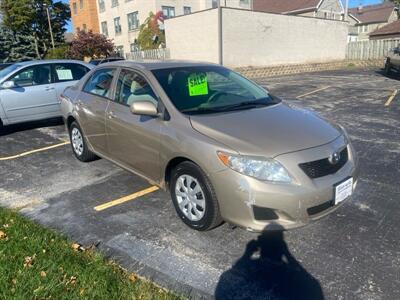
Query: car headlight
261, 168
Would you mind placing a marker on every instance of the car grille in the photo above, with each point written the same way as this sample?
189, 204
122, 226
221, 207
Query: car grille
323, 167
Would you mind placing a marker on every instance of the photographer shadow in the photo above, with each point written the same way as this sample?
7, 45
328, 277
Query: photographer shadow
267, 270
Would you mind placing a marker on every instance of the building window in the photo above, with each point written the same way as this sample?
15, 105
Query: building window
168, 11
78, 29
84, 27
117, 25
187, 10
365, 28
214, 3
74, 8
81, 4
114, 3
133, 21
102, 6
120, 51
104, 28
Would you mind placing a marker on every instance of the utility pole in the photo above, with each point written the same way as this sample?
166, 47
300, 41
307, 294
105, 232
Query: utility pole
346, 10
50, 28
220, 38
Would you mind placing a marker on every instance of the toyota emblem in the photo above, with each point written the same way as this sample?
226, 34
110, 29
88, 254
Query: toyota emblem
334, 158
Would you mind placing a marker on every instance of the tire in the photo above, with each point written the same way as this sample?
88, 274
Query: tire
388, 68
79, 145
201, 211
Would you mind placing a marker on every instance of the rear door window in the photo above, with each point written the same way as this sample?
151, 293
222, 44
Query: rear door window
69, 72
100, 84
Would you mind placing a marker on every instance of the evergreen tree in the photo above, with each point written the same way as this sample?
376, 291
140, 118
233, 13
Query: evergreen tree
27, 19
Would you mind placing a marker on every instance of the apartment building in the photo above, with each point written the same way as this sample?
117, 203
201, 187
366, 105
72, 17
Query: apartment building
120, 19
84, 15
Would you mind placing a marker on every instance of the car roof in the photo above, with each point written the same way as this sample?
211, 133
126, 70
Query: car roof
46, 61
157, 65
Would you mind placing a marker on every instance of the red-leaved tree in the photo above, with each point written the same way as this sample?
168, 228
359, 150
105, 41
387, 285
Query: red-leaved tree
89, 44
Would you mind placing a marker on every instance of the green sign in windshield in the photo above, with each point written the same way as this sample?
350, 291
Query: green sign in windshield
198, 84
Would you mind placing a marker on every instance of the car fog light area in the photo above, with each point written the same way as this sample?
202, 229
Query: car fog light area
260, 168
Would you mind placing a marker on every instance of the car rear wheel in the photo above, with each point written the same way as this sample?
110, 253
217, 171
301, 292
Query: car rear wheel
78, 143
194, 197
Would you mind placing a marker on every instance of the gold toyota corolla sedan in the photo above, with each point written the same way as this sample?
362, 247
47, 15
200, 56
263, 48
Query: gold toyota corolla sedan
224, 147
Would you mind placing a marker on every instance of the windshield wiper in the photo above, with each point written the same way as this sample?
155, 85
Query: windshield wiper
231, 107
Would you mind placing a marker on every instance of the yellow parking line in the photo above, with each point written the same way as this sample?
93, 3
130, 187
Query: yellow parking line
391, 98
126, 198
313, 92
34, 151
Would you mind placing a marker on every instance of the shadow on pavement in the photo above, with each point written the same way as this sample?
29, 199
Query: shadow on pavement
6, 130
267, 270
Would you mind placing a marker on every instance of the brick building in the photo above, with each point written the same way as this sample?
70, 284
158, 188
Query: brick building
84, 15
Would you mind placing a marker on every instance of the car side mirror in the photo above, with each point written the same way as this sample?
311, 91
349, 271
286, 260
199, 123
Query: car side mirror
8, 84
144, 108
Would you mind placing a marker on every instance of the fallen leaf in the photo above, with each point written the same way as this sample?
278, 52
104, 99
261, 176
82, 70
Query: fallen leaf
14, 281
81, 292
43, 274
71, 281
132, 277
3, 235
77, 247
6, 225
28, 260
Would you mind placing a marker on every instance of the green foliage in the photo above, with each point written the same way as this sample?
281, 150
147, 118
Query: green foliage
37, 263
147, 34
29, 18
58, 52
15, 46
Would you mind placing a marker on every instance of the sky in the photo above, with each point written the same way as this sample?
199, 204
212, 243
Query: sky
352, 3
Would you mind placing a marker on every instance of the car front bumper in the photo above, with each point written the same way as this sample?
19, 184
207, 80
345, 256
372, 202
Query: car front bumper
258, 205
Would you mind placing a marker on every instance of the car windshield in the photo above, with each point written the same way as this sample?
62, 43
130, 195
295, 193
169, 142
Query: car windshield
211, 89
8, 70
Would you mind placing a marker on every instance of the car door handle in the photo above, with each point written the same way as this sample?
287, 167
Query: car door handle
49, 89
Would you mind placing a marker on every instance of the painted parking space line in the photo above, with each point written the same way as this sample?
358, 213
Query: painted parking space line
389, 101
126, 198
34, 151
313, 92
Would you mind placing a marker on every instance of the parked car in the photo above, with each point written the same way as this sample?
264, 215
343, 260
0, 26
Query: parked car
105, 60
30, 91
224, 147
4, 65
393, 60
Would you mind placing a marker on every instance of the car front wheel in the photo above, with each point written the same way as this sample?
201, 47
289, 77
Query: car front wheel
78, 143
194, 197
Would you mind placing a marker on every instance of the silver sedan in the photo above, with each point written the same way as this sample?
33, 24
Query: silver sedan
30, 91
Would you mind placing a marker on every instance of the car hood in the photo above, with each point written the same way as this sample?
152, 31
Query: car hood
268, 131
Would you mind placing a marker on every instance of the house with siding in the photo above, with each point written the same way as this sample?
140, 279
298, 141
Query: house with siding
325, 9
366, 19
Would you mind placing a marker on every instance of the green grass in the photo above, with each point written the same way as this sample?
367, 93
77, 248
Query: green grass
38, 263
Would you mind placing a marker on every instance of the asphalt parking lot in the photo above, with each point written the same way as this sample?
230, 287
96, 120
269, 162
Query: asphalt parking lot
353, 253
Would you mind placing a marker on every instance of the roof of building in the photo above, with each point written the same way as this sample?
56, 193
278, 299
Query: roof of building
389, 29
378, 13
285, 6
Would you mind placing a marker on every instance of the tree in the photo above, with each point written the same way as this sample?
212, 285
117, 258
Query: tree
15, 46
59, 52
397, 4
29, 18
89, 44
150, 34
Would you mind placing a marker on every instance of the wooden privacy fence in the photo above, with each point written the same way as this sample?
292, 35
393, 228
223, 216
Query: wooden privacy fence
153, 54
371, 49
